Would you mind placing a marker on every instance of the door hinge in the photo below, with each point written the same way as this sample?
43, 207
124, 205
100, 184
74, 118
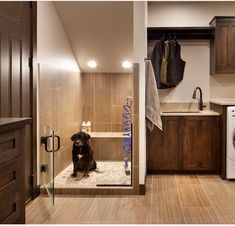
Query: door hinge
30, 62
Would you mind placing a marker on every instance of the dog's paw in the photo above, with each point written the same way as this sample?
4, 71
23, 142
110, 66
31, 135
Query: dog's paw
74, 174
86, 175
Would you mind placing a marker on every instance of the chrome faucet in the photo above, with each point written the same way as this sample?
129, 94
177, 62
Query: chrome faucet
200, 103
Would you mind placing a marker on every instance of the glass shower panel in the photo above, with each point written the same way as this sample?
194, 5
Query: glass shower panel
49, 162
117, 169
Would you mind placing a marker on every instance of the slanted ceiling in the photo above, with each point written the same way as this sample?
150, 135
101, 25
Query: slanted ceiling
102, 31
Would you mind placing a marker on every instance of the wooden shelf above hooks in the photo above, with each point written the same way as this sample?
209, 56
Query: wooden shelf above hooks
155, 33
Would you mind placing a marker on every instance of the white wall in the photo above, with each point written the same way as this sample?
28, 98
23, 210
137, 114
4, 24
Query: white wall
53, 46
196, 54
140, 52
169, 14
222, 86
196, 73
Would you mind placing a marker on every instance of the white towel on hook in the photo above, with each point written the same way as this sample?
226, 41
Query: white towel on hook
152, 102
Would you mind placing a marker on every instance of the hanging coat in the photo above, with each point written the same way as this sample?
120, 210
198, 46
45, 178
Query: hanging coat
168, 70
175, 66
156, 60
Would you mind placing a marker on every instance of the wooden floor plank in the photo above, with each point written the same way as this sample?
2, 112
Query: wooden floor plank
214, 186
165, 185
193, 195
167, 209
190, 199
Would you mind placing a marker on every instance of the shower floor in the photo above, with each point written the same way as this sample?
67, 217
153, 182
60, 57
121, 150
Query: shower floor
110, 173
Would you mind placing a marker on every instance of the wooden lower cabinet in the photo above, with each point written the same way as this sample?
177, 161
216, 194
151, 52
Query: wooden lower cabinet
12, 170
185, 144
200, 143
164, 147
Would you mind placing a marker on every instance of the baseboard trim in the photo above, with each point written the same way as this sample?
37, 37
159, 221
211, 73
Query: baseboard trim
149, 172
142, 189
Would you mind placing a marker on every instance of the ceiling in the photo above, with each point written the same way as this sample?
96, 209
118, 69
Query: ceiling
101, 31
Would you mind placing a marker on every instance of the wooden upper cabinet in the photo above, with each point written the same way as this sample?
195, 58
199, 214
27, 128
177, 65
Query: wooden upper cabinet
200, 143
222, 49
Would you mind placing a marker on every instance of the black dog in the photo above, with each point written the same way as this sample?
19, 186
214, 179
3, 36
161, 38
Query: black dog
82, 154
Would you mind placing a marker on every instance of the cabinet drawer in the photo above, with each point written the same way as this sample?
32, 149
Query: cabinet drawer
11, 192
10, 146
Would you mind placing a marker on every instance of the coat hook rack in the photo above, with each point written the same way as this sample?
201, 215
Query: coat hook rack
189, 33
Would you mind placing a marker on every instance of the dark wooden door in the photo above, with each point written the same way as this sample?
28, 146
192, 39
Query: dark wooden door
165, 147
200, 143
15, 79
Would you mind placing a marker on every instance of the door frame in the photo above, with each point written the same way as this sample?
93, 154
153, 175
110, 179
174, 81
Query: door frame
34, 90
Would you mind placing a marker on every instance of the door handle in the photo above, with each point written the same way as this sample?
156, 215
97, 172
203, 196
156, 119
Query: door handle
58, 140
44, 140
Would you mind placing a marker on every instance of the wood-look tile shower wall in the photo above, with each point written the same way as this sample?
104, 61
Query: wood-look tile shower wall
104, 96
60, 105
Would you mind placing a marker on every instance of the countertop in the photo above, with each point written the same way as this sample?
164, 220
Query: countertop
9, 123
223, 101
199, 113
107, 134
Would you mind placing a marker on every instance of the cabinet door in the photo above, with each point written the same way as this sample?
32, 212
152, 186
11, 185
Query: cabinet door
231, 46
200, 143
224, 45
165, 147
221, 47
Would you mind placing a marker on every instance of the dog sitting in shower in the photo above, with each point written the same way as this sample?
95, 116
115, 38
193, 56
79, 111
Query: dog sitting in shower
82, 154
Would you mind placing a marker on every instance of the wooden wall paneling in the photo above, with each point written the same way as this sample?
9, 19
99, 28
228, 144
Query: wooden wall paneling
102, 148
5, 78
121, 87
16, 77
60, 93
116, 150
88, 90
102, 99
104, 96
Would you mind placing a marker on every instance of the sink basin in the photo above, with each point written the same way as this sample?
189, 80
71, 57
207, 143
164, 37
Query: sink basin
182, 111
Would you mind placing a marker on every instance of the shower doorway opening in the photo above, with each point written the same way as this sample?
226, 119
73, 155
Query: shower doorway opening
114, 130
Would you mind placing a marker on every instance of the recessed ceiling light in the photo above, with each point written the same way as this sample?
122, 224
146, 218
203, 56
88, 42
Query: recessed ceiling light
91, 64
126, 64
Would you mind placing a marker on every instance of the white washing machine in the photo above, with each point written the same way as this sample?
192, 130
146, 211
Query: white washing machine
230, 143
